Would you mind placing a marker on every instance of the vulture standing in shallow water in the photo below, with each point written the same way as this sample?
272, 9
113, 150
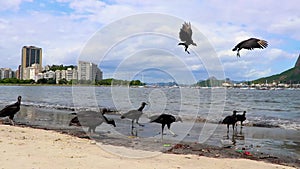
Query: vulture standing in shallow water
91, 119
134, 115
250, 44
164, 119
185, 35
11, 110
230, 120
241, 117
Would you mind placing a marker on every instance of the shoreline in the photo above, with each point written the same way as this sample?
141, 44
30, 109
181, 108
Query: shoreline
182, 147
145, 86
274, 145
38, 148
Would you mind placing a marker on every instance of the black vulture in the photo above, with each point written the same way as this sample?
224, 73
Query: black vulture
250, 44
135, 115
11, 110
164, 119
185, 36
91, 119
230, 120
241, 117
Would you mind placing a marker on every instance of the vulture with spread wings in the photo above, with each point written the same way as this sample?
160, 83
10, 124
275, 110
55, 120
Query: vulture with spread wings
185, 36
250, 44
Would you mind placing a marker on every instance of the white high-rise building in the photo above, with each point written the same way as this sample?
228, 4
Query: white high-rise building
31, 72
69, 74
6, 73
88, 71
58, 75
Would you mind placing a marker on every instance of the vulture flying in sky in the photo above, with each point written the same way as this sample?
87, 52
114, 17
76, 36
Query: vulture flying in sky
185, 36
250, 44
11, 110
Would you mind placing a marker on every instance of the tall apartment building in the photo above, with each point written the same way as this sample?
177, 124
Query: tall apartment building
31, 62
89, 71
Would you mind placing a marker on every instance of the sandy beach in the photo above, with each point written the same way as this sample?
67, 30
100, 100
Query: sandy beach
23, 147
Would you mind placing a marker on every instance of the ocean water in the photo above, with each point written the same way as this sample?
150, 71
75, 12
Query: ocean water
265, 108
274, 113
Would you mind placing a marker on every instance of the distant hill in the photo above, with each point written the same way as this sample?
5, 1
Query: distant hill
163, 84
289, 76
210, 82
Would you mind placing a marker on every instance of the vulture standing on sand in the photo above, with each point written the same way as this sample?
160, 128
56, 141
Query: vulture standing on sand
11, 110
164, 119
250, 44
91, 119
135, 115
185, 36
230, 120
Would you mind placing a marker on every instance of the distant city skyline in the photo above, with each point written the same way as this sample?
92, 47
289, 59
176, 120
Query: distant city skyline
63, 28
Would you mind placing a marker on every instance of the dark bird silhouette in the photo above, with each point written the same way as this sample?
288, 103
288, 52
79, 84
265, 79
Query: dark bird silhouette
185, 36
11, 110
91, 119
165, 119
241, 117
250, 44
230, 120
134, 115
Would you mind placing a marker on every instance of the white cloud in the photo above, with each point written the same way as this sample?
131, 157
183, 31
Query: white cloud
12, 4
196, 67
63, 34
290, 26
253, 73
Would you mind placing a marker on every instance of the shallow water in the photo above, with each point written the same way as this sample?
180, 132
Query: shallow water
53, 105
274, 141
270, 108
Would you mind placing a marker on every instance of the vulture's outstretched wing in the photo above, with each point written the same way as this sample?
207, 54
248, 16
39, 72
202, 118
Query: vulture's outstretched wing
254, 43
250, 44
263, 44
185, 33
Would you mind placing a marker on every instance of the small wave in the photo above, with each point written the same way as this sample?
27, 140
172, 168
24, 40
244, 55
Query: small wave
270, 109
292, 126
47, 106
271, 101
67, 108
259, 121
256, 122
273, 123
262, 124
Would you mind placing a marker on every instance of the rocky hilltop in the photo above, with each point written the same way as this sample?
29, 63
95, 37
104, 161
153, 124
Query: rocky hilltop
289, 76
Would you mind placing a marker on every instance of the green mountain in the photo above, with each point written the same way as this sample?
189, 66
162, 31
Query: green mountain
210, 82
289, 76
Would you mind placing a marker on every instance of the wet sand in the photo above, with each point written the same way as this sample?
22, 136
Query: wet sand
155, 146
272, 145
23, 147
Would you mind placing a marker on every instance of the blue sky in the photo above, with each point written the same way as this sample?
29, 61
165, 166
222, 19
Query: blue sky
65, 29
